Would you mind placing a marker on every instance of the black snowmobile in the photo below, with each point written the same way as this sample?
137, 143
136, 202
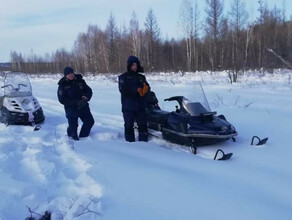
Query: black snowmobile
191, 124
17, 104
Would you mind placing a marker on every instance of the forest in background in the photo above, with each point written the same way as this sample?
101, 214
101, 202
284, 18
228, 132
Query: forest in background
211, 40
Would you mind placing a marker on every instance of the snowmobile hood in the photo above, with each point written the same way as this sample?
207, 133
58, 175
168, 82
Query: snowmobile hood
21, 104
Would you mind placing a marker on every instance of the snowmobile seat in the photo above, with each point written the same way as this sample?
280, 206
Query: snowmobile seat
160, 116
151, 99
161, 112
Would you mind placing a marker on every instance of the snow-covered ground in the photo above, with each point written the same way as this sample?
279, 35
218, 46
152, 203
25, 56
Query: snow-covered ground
105, 177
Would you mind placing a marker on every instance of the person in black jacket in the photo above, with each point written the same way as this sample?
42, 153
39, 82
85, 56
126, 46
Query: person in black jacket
74, 94
133, 87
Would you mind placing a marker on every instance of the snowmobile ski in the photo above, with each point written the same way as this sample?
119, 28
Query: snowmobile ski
193, 149
260, 141
224, 157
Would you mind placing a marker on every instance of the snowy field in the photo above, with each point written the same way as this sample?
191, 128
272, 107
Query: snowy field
106, 178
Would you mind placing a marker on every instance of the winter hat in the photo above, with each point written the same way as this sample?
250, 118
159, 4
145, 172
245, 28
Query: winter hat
68, 70
131, 60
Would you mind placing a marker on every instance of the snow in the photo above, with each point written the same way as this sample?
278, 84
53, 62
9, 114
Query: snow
104, 177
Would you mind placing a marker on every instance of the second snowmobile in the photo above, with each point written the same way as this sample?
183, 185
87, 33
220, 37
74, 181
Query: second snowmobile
17, 104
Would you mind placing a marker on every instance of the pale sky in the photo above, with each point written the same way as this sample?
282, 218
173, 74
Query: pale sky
48, 25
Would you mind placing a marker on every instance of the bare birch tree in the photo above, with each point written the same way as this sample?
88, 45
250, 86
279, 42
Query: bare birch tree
135, 36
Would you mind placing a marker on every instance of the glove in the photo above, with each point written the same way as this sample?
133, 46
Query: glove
144, 90
81, 103
140, 91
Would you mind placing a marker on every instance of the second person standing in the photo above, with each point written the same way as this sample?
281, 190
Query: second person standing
133, 87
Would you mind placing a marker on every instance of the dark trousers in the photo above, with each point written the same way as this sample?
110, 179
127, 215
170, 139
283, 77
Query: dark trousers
86, 117
140, 117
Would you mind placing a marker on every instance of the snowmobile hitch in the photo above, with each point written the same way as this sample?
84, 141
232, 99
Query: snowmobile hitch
261, 141
36, 128
224, 157
193, 149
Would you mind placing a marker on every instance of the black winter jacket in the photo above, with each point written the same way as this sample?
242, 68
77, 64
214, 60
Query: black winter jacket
129, 82
71, 91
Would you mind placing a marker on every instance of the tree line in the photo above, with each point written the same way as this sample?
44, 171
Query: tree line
211, 41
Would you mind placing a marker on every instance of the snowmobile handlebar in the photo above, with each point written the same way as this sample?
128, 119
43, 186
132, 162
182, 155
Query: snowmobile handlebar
175, 98
18, 88
6, 86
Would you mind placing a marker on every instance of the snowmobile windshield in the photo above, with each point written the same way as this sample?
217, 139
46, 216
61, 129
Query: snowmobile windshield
197, 96
17, 85
193, 108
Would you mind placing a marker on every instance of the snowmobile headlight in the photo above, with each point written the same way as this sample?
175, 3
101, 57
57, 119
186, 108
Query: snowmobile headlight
25, 102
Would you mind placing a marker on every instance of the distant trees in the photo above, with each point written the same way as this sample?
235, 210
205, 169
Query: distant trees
152, 32
214, 12
112, 36
135, 37
240, 41
210, 41
187, 27
269, 32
